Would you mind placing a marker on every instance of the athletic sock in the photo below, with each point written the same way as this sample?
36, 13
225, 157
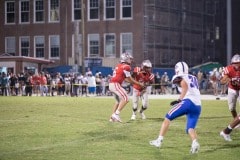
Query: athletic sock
117, 112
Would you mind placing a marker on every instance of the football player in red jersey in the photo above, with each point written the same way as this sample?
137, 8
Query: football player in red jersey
144, 75
231, 75
121, 73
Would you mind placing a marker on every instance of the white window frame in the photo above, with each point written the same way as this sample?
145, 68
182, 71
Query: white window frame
55, 11
35, 12
56, 46
21, 47
121, 10
10, 46
35, 47
112, 46
130, 44
27, 11
10, 12
73, 9
89, 10
105, 7
89, 45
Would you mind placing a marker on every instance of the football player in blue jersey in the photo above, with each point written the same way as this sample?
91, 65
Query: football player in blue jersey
189, 104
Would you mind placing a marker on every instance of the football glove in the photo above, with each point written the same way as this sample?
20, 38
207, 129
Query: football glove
175, 102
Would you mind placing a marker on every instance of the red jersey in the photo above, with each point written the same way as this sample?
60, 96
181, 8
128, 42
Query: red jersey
142, 77
43, 80
121, 71
36, 79
234, 75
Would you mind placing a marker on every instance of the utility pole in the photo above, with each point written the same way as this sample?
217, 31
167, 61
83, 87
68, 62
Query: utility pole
76, 46
83, 36
229, 31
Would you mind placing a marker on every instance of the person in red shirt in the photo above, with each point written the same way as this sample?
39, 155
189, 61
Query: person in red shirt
121, 73
43, 84
143, 75
231, 76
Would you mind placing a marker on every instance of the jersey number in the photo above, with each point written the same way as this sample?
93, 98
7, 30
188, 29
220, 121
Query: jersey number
193, 82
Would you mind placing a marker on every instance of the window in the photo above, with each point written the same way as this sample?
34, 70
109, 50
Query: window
109, 9
38, 11
93, 45
93, 10
77, 9
54, 46
126, 9
10, 12
54, 11
126, 42
24, 11
110, 45
24, 46
39, 46
10, 45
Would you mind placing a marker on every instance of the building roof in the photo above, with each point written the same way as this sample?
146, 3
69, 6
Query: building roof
8, 57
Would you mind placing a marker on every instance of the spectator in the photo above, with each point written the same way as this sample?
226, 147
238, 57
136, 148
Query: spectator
84, 84
22, 83
75, 84
223, 87
29, 84
91, 81
214, 80
4, 84
98, 84
157, 80
43, 84
12, 80
200, 79
67, 82
164, 83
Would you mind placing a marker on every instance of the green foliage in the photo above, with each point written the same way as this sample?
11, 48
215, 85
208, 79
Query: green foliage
60, 128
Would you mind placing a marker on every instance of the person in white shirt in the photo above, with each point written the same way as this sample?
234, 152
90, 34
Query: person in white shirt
91, 84
189, 104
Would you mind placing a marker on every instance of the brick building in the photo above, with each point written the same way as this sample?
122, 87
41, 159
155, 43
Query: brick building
164, 31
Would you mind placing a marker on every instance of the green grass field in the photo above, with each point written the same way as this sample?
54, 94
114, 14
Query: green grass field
71, 128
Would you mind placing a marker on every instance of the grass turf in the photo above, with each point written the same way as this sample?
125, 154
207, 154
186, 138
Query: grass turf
50, 128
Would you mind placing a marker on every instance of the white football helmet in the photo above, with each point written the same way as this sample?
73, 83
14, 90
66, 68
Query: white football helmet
146, 63
181, 68
126, 57
235, 59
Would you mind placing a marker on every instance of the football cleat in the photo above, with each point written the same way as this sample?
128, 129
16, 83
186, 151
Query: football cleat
225, 136
142, 115
133, 117
156, 143
195, 147
116, 118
